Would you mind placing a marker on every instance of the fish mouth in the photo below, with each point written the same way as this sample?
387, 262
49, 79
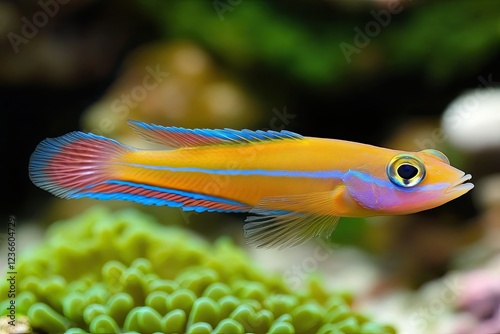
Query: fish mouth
460, 185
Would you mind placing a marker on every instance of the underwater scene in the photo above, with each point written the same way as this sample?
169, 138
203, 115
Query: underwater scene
250, 166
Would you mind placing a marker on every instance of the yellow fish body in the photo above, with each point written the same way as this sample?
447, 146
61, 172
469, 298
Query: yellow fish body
294, 187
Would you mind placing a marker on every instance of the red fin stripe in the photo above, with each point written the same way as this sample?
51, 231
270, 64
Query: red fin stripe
147, 194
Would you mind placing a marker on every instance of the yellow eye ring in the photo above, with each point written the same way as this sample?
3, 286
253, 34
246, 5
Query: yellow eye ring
405, 170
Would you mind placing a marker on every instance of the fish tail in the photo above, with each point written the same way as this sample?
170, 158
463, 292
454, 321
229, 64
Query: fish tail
67, 165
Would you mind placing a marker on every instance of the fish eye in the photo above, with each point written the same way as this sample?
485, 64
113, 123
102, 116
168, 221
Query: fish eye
405, 170
438, 154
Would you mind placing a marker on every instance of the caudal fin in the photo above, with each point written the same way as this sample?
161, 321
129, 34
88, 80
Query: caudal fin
66, 165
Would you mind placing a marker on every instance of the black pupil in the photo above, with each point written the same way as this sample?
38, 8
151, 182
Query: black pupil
407, 171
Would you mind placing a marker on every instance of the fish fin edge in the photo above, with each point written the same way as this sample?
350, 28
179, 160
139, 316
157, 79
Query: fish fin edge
177, 137
283, 222
160, 196
67, 164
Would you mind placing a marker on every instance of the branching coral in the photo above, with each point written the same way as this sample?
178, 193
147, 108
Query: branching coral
115, 272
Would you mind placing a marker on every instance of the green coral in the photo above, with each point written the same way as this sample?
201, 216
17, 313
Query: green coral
107, 272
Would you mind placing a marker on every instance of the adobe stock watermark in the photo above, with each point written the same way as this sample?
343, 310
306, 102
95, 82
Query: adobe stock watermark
222, 6
295, 276
462, 110
420, 319
280, 119
372, 29
120, 107
31, 27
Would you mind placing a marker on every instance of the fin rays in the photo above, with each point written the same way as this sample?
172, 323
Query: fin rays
154, 195
176, 137
287, 231
66, 164
287, 221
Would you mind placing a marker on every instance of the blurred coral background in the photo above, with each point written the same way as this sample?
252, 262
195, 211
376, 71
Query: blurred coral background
402, 74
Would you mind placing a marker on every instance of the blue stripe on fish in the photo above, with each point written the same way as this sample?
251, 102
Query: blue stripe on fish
368, 178
327, 174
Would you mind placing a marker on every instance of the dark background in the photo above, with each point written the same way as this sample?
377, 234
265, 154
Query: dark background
383, 87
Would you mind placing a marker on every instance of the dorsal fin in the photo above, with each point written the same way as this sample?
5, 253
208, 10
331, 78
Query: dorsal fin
176, 137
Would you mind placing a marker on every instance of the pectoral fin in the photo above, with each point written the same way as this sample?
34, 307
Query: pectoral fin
292, 220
